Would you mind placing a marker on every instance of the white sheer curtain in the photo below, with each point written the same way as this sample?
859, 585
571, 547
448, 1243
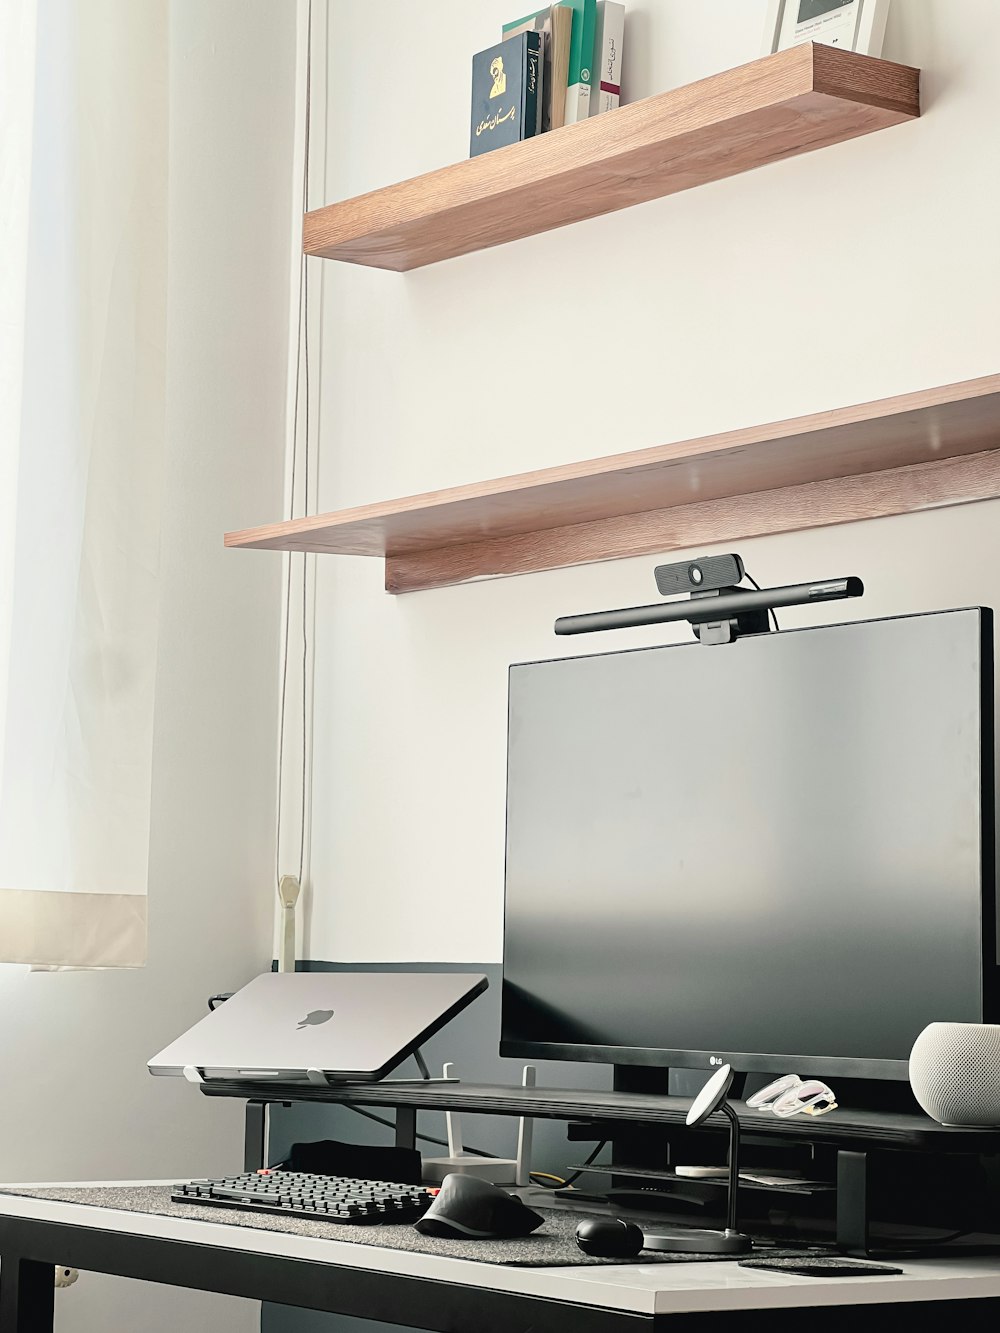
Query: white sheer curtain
83, 178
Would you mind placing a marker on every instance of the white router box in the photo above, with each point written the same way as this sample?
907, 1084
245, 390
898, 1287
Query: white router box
497, 1170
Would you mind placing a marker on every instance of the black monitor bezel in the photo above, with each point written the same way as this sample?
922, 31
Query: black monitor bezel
764, 1062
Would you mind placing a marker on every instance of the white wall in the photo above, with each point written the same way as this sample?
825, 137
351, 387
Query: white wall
861, 271
77, 1100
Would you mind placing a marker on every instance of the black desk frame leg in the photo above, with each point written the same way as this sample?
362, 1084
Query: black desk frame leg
27, 1295
255, 1137
406, 1126
853, 1189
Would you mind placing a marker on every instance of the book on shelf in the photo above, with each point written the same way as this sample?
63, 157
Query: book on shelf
537, 23
581, 59
555, 23
607, 77
506, 88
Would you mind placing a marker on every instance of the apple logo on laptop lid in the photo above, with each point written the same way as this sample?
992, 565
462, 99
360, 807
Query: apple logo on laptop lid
315, 1018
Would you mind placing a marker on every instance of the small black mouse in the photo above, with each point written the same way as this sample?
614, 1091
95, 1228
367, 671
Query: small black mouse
609, 1238
468, 1208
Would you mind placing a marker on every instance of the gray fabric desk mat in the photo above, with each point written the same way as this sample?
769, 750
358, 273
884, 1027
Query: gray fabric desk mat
553, 1246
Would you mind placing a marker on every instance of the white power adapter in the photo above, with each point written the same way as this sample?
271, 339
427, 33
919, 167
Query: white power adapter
288, 895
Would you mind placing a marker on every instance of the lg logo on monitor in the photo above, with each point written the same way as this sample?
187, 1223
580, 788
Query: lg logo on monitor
716, 1060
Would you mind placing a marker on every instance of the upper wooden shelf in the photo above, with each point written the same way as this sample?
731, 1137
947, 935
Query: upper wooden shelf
788, 103
919, 451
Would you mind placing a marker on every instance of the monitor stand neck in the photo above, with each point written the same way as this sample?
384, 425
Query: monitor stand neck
641, 1078
869, 1094
652, 1080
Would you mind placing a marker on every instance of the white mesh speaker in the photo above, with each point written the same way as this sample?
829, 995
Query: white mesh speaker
955, 1073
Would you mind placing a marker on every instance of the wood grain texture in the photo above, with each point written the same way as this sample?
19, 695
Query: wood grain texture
788, 103
955, 421
794, 509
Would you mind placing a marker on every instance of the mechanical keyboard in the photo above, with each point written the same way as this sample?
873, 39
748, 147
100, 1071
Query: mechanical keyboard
299, 1194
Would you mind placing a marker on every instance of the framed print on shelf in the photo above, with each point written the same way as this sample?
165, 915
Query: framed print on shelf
855, 25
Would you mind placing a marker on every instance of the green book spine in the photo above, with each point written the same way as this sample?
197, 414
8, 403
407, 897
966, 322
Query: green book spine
581, 51
581, 58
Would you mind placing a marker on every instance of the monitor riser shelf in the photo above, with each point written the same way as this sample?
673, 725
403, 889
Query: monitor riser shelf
860, 1137
861, 1129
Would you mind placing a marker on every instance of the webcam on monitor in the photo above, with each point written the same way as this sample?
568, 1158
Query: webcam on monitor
711, 573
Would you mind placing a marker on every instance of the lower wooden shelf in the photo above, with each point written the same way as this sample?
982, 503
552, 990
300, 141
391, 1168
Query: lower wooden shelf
924, 450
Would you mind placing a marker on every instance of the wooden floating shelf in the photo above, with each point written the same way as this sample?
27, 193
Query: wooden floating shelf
792, 102
923, 450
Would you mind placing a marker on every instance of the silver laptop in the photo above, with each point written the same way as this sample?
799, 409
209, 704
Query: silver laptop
319, 1026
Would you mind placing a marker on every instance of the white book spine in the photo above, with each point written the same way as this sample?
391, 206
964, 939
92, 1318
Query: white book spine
577, 102
606, 95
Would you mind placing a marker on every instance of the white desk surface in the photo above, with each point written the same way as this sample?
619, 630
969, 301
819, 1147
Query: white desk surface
642, 1288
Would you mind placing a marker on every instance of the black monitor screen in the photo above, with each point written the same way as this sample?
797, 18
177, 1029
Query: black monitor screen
778, 851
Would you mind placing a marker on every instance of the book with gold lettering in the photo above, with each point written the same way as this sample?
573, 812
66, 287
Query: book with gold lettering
506, 93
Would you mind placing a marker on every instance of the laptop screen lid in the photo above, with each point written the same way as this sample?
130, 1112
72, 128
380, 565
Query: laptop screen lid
347, 1025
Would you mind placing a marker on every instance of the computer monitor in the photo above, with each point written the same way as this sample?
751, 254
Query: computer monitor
777, 853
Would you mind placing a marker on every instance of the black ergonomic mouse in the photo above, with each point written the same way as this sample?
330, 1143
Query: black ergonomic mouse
609, 1238
468, 1208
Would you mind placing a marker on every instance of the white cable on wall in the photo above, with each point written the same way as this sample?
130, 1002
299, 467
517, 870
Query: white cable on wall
289, 885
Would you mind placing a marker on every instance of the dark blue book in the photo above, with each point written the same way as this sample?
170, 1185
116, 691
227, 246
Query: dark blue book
506, 92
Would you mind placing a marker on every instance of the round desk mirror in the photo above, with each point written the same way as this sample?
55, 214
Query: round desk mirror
711, 1097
